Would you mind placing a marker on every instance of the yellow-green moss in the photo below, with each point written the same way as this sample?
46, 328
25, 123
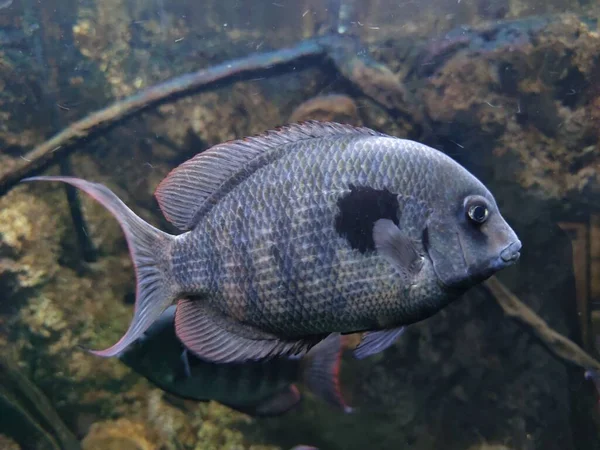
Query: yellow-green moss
218, 429
121, 434
7, 443
30, 233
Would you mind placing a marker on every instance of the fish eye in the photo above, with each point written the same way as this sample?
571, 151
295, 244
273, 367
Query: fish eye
478, 213
477, 209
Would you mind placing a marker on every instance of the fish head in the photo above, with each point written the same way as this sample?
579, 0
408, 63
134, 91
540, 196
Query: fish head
467, 239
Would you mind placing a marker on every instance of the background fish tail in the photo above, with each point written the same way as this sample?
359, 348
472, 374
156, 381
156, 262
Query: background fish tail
149, 248
321, 370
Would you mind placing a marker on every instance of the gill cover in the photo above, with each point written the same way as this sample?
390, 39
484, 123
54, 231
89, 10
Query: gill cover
470, 242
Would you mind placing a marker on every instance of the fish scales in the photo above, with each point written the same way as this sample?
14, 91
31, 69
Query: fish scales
248, 384
263, 388
279, 264
304, 231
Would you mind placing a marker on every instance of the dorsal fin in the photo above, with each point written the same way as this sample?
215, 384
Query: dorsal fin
184, 192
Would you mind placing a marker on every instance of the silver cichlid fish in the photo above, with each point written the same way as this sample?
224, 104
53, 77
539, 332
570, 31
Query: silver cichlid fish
258, 388
306, 230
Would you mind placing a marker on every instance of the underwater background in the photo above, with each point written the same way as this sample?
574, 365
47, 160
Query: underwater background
508, 88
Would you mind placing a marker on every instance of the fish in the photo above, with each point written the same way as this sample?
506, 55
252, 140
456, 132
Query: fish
258, 388
5, 3
305, 230
594, 376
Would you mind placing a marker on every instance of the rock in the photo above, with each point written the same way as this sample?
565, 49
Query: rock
328, 108
122, 434
7, 443
502, 100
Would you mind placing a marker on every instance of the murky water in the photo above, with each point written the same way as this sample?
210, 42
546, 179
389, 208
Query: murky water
120, 92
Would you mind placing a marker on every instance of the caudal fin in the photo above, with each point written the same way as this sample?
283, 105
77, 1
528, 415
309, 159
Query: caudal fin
322, 370
148, 247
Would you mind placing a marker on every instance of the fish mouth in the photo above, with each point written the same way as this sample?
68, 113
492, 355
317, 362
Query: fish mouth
511, 253
474, 274
507, 257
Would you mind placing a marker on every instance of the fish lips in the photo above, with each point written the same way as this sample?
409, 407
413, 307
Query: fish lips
508, 256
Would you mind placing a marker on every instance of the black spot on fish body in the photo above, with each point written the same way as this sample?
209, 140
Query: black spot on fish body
359, 210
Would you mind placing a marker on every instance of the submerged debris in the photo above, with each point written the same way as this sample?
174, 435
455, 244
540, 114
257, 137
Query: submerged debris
27, 415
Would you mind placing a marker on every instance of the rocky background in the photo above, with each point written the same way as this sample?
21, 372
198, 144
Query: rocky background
517, 101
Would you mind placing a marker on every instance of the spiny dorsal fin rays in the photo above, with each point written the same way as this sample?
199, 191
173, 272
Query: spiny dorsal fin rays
188, 187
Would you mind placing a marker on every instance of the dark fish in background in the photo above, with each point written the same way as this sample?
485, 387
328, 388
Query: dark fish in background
306, 230
258, 388
594, 376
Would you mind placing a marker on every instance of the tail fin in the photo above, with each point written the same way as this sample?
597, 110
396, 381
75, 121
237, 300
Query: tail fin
148, 247
322, 369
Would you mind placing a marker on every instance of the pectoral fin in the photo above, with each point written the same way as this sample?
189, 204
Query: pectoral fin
396, 247
214, 337
376, 341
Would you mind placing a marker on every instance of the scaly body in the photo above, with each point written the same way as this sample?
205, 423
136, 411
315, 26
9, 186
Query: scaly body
304, 231
269, 254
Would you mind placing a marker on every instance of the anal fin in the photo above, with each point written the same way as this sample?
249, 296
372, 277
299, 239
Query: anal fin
374, 342
216, 338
